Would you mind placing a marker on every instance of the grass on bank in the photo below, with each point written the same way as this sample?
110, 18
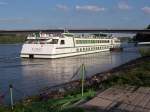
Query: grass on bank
138, 76
144, 51
52, 105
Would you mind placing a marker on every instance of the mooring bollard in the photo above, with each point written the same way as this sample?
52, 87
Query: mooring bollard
11, 96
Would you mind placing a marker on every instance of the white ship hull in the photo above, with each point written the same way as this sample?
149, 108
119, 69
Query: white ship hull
54, 56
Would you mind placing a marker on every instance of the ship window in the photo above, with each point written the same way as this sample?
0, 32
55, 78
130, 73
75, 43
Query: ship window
68, 35
62, 42
80, 49
42, 41
53, 41
33, 41
78, 41
85, 41
30, 41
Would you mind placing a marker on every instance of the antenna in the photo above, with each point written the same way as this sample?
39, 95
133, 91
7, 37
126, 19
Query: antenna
66, 31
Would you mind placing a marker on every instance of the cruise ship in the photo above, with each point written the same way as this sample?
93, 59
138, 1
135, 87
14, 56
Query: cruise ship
47, 45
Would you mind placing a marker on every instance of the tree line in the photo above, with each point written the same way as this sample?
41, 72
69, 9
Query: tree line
142, 37
12, 38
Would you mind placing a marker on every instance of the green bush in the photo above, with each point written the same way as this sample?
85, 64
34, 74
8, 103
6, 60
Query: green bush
145, 51
139, 76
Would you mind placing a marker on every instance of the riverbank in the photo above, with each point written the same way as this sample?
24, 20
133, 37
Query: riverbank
63, 98
12, 38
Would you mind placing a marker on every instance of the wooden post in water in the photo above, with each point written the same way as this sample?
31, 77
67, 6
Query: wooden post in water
82, 77
11, 96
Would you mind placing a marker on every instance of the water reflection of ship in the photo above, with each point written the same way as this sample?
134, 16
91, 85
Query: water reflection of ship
64, 68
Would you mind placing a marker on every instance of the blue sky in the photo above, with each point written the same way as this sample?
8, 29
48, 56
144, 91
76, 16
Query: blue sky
29, 14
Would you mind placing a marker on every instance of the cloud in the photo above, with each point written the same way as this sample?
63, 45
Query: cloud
123, 6
62, 7
14, 21
92, 8
146, 9
3, 3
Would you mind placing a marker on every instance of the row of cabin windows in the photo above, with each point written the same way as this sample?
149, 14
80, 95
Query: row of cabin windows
91, 41
117, 41
53, 41
92, 48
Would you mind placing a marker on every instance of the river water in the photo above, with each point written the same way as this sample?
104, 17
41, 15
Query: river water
29, 76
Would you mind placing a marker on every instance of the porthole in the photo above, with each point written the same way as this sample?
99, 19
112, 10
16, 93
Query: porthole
80, 49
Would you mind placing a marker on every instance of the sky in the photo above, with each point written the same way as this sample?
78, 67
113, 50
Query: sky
35, 14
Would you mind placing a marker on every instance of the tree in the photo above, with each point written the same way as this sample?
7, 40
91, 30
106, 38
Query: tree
142, 37
148, 26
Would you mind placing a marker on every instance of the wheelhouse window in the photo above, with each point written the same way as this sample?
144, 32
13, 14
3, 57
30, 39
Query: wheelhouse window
29, 41
53, 41
68, 35
32, 41
62, 42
